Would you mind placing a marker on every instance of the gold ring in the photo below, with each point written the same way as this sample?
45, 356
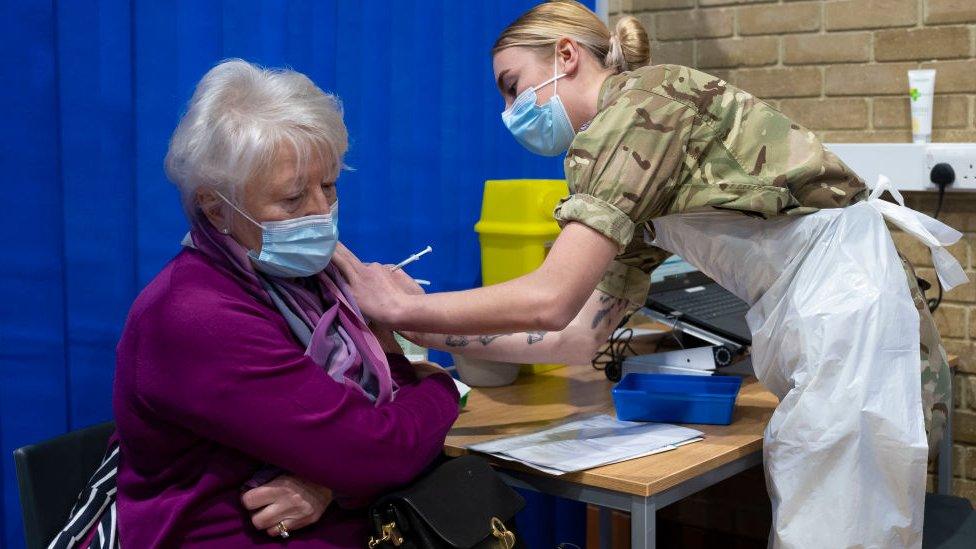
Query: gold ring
282, 530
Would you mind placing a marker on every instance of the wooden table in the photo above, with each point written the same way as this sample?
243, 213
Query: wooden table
639, 486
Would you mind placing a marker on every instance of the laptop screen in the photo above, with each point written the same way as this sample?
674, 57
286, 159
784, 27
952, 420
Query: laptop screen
679, 288
672, 266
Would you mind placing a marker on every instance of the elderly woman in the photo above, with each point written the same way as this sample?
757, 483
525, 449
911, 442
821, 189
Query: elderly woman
246, 362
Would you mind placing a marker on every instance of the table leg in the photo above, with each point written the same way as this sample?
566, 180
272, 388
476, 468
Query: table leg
606, 528
643, 531
945, 458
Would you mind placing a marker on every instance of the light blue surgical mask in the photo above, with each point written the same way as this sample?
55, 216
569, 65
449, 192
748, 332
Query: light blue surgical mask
542, 129
297, 247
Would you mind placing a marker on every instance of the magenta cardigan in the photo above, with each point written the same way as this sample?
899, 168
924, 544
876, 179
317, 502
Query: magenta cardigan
210, 385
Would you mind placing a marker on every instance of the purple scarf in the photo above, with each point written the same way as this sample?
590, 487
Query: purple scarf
341, 342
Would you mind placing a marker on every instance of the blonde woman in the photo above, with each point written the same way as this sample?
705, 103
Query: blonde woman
650, 150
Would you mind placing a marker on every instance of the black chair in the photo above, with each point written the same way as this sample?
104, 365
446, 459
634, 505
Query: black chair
50, 476
950, 523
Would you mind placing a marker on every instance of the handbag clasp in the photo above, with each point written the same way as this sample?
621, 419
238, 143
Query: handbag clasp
390, 535
505, 536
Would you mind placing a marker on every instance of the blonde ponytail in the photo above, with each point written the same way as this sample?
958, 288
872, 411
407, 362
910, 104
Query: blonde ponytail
626, 48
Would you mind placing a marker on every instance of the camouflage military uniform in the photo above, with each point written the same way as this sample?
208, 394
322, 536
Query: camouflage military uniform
669, 139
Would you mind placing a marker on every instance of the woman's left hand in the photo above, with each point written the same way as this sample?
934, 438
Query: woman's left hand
417, 338
426, 368
287, 500
384, 335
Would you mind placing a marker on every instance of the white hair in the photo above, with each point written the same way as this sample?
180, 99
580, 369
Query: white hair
239, 117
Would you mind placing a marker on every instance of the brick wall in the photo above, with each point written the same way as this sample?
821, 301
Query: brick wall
956, 318
839, 68
836, 66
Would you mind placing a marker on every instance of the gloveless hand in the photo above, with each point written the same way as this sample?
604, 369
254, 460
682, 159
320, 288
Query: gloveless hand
425, 368
379, 291
292, 501
384, 335
417, 338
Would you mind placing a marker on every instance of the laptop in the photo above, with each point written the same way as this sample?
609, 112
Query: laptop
679, 290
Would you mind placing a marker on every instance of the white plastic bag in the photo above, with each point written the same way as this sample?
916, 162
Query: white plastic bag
836, 338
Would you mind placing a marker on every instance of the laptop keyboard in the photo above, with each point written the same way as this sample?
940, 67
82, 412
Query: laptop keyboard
705, 304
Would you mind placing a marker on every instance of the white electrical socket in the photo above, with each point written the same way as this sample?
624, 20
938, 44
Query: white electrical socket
908, 165
903, 163
962, 158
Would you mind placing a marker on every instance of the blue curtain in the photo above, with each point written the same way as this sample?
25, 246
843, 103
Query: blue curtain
92, 91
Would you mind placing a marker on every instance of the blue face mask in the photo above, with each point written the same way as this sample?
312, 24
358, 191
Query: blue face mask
542, 129
295, 247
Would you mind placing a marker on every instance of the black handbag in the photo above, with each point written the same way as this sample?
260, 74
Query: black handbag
463, 504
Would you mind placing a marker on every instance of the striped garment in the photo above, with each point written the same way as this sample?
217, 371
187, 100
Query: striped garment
92, 522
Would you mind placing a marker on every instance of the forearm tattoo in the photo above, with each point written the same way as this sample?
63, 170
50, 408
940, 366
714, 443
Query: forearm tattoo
608, 305
464, 341
485, 340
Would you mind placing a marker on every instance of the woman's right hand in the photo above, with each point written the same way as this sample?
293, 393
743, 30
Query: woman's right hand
287, 500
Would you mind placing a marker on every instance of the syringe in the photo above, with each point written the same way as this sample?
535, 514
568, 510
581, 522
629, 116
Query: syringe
412, 258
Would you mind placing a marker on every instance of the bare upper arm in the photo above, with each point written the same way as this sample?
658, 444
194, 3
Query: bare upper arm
574, 266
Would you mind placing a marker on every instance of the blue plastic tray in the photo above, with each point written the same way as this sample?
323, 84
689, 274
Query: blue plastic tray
676, 398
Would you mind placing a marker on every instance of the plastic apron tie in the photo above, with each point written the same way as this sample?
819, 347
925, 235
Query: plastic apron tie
929, 231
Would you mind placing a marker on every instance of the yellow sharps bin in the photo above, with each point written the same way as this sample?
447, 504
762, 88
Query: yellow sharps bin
516, 230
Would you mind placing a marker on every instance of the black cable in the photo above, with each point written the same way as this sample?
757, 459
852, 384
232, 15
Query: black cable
938, 205
610, 359
934, 303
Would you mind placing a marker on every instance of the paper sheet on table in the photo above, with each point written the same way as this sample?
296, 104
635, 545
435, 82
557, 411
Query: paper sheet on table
587, 443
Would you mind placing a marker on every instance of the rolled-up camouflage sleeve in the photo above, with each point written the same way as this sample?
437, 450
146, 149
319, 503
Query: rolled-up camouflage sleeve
622, 169
628, 276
